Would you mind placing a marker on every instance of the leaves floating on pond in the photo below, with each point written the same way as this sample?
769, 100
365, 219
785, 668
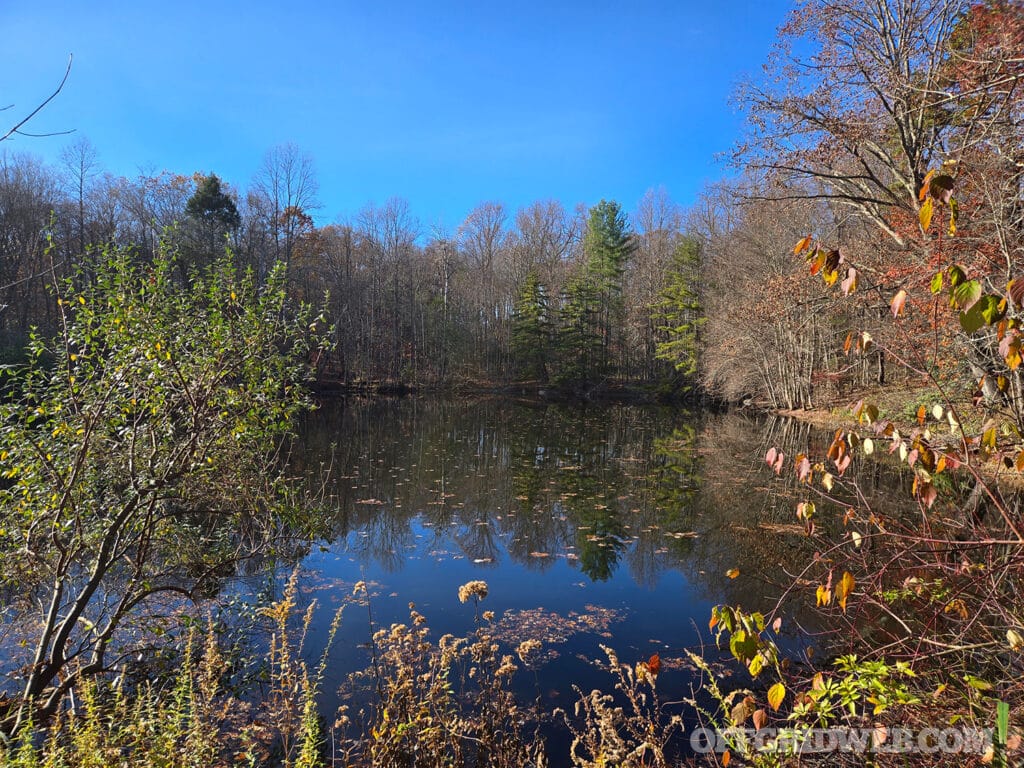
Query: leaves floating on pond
551, 628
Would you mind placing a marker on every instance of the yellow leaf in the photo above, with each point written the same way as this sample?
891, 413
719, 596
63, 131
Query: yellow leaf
869, 446
844, 588
776, 694
827, 481
856, 538
1014, 639
824, 595
925, 214
732, 573
802, 245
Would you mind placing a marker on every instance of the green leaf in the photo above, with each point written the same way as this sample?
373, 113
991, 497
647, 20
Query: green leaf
956, 275
992, 308
756, 665
972, 320
936, 285
966, 294
988, 310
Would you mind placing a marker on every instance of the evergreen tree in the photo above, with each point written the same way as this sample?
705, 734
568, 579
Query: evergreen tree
210, 214
608, 247
210, 204
678, 312
579, 339
531, 329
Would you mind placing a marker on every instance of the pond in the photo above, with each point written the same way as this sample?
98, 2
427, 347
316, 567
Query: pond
599, 525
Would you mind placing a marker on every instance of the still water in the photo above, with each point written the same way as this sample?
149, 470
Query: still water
600, 525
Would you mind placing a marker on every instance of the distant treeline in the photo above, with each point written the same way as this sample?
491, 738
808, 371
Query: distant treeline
576, 298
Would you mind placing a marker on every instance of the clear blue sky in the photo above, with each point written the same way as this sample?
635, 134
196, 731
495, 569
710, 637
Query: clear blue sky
446, 104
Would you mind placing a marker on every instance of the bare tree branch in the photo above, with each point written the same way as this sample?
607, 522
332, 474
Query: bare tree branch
37, 110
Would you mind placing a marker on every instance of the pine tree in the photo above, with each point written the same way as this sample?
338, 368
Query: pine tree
608, 247
531, 329
210, 214
678, 312
579, 339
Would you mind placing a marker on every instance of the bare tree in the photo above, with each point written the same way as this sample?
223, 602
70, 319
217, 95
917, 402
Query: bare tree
288, 185
81, 165
482, 237
861, 118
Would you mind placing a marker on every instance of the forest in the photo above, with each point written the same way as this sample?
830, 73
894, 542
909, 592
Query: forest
575, 297
859, 264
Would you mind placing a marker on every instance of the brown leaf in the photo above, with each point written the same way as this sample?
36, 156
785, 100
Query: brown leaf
1016, 290
760, 718
941, 187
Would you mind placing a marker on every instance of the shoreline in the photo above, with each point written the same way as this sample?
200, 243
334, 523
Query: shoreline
827, 419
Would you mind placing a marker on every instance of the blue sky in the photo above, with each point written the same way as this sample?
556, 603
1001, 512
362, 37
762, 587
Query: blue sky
446, 104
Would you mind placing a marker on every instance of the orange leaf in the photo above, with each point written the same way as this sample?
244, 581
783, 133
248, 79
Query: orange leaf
732, 573
726, 757
926, 184
803, 245
654, 664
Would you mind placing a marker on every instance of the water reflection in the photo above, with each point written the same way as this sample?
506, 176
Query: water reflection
617, 525
599, 488
616, 494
